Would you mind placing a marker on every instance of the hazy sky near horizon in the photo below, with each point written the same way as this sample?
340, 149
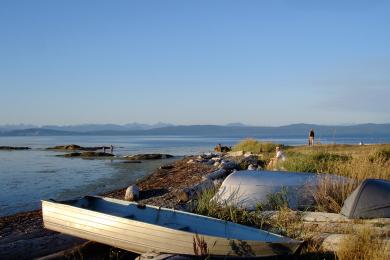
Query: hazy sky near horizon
195, 62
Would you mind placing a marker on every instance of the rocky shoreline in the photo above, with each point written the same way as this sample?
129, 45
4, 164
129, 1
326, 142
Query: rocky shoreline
22, 235
174, 185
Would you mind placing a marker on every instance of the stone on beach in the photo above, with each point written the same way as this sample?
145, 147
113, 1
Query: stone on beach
132, 193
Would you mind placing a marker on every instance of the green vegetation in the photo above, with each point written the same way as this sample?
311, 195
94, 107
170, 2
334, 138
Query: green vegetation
256, 147
352, 161
357, 162
205, 205
275, 201
285, 223
317, 162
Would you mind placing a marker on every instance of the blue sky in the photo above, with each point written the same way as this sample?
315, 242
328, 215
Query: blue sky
194, 62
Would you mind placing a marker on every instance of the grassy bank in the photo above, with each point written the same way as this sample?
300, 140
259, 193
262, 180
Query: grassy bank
357, 162
352, 161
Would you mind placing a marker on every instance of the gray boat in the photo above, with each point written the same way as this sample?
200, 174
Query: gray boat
142, 229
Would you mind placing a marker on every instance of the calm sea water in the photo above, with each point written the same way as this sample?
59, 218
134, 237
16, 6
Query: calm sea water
26, 177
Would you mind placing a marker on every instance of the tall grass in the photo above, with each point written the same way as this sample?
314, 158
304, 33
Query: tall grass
274, 201
285, 223
255, 146
206, 205
330, 195
363, 245
317, 162
357, 165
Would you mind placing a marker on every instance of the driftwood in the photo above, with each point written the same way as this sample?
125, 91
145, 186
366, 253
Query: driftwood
215, 175
192, 192
209, 181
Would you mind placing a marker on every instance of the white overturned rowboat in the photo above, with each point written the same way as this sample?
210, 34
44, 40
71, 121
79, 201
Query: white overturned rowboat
142, 229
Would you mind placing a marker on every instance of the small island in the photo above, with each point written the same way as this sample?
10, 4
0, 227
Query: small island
13, 148
75, 147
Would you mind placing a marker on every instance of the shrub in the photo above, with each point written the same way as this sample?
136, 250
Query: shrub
205, 205
254, 146
275, 201
317, 162
381, 155
329, 195
363, 167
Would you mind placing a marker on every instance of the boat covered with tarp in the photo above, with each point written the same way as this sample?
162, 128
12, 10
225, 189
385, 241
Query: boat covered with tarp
249, 189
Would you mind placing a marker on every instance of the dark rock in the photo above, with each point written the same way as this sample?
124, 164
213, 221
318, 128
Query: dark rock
75, 147
166, 167
132, 161
87, 155
12, 148
222, 149
148, 156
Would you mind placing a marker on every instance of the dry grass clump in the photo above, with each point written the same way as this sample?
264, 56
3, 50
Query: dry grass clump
357, 162
200, 246
330, 195
287, 223
364, 245
363, 167
255, 146
354, 162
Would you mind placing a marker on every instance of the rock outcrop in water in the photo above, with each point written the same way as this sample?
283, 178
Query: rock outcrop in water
150, 156
13, 148
87, 155
75, 147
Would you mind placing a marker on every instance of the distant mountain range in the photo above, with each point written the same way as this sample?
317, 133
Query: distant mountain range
231, 130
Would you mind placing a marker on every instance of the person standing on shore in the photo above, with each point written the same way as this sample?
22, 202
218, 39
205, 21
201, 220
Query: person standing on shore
112, 149
311, 137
